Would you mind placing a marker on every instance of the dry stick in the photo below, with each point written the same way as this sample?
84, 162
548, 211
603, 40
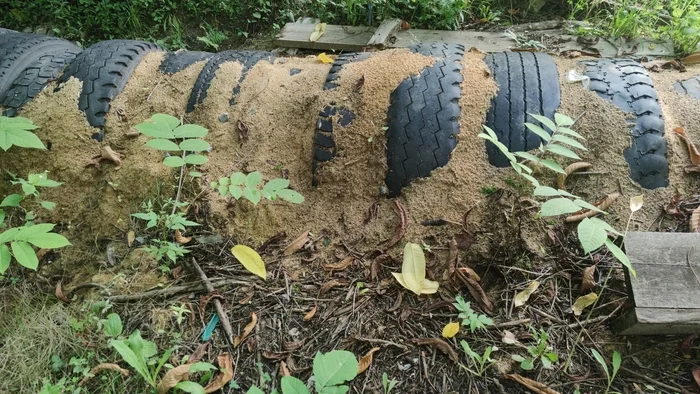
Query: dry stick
174, 290
651, 380
219, 309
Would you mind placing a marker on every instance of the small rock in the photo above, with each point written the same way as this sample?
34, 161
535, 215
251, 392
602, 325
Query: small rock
383, 190
223, 118
294, 71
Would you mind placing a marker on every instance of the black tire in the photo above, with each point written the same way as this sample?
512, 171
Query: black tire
177, 61
627, 85
527, 83
324, 144
690, 87
247, 58
35, 78
424, 117
19, 51
104, 69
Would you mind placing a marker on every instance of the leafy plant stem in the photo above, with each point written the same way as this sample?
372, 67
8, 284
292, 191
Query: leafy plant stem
179, 185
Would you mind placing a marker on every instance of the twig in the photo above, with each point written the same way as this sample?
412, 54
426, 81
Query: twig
179, 185
174, 290
381, 341
510, 324
219, 309
154, 89
652, 380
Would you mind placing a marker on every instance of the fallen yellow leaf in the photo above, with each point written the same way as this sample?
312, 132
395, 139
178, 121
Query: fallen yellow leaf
450, 330
325, 59
318, 32
636, 203
583, 302
522, 297
413, 267
250, 259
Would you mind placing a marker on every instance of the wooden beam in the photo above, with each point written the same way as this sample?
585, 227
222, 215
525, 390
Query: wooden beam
384, 32
336, 38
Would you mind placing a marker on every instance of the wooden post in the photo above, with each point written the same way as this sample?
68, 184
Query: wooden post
384, 32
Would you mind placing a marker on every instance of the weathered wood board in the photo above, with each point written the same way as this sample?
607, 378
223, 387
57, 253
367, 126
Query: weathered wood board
666, 291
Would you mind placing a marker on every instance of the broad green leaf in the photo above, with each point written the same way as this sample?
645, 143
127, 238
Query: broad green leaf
253, 195
174, 161
12, 200
155, 130
22, 138
254, 390
270, 195
201, 367
511, 157
168, 120
539, 131
527, 364
568, 131
236, 191
194, 145
48, 241
238, 178
413, 267
250, 259
568, 141
585, 204
545, 121
24, 254
620, 255
290, 196
8, 235
491, 133
276, 184
563, 120
5, 258
29, 231
253, 179
2, 218
128, 355
28, 189
550, 192
485, 136
224, 181
546, 363
48, 205
528, 156
223, 189
616, 363
194, 174
583, 302
190, 131
534, 182
552, 165
195, 159
606, 226
292, 385
519, 167
334, 368
558, 206
113, 325
163, 144
598, 357
562, 151
190, 387
591, 235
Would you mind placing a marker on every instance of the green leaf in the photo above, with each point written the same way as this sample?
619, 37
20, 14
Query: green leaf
5, 258
290, 196
334, 368
519, 167
539, 131
601, 361
190, 131
194, 174
534, 182
563, 120
585, 204
562, 151
558, 206
276, 184
130, 357
196, 160
21, 138
528, 156
568, 141
29, 231
253, 195
168, 120
491, 133
2, 218
545, 121
113, 325
527, 364
223, 190
606, 226
619, 254
28, 189
552, 165
250, 259
616, 363
48, 205
48, 241
201, 367
224, 181
253, 179
292, 385
174, 161
163, 144
194, 145
24, 254
190, 387
547, 191
8, 235
12, 200
568, 131
268, 194
546, 363
517, 357
254, 390
591, 235
238, 178
236, 191
155, 130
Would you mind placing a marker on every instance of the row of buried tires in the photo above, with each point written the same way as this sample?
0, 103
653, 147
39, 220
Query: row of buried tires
423, 117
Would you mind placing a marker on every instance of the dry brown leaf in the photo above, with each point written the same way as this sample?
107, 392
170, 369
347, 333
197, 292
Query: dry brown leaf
535, 387
311, 313
292, 345
198, 353
275, 355
522, 297
402, 216
173, 377
242, 131
692, 149
509, 338
602, 205
179, 238
111, 155
479, 295
297, 244
359, 84
59, 293
452, 259
695, 221
696, 376
339, 266
366, 360
102, 367
284, 371
438, 344
130, 237
247, 330
588, 281
672, 207
693, 58
471, 274
578, 166
226, 367
329, 285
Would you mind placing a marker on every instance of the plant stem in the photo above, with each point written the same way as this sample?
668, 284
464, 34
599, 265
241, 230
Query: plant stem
179, 184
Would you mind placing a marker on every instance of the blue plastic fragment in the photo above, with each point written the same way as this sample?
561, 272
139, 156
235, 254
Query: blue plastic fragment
211, 326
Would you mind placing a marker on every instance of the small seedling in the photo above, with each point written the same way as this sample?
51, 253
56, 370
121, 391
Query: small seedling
387, 384
166, 222
479, 362
180, 312
541, 352
474, 320
16, 132
239, 185
616, 363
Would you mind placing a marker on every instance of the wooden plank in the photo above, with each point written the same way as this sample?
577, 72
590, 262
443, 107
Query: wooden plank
337, 38
666, 291
384, 32
484, 41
